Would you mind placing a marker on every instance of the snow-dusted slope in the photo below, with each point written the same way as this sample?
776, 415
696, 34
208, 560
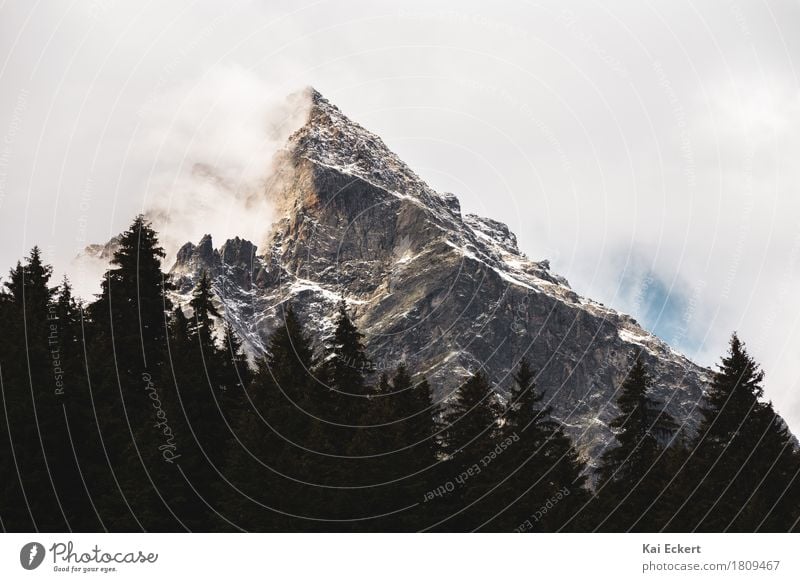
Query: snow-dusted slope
447, 293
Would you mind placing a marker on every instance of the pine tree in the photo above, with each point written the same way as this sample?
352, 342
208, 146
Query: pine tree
133, 389
394, 452
235, 373
179, 332
202, 390
369, 460
415, 459
74, 444
68, 314
347, 361
631, 475
31, 401
742, 463
133, 303
414, 429
339, 404
202, 304
273, 446
209, 407
469, 430
540, 476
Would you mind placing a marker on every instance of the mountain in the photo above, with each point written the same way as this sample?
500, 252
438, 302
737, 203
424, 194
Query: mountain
447, 292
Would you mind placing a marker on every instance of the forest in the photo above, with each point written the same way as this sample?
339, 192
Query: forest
129, 413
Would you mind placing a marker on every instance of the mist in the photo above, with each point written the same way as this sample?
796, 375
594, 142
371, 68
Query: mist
212, 145
207, 147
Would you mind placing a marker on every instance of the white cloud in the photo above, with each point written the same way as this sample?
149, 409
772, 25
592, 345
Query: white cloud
211, 144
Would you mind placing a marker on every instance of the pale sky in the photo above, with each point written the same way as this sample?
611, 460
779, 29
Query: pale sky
648, 149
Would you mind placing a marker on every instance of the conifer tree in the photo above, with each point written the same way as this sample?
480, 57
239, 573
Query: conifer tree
631, 475
340, 403
202, 304
179, 332
273, 446
414, 427
369, 460
68, 314
347, 361
74, 446
33, 411
468, 434
132, 306
415, 459
742, 464
134, 388
12, 501
208, 411
235, 370
543, 481
234, 375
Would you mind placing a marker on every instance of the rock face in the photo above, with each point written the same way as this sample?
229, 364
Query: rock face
445, 292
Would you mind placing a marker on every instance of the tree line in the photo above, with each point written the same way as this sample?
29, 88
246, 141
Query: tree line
131, 414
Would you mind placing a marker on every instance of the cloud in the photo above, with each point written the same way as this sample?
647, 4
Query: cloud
212, 143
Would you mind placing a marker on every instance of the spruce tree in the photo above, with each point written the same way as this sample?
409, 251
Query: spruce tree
347, 361
233, 376
470, 427
415, 459
339, 404
235, 371
74, 445
742, 463
272, 453
179, 332
539, 473
631, 475
133, 388
208, 407
133, 303
203, 313
202, 392
395, 451
370, 459
33, 416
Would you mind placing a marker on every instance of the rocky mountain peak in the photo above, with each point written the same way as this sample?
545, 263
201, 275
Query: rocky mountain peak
191, 257
332, 139
238, 251
445, 292
205, 249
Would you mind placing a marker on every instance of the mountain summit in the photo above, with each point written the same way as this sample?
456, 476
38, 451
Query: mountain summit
448, 293
331, 139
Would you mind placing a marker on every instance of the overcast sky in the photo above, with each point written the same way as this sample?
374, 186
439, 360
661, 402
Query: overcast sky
649, 150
